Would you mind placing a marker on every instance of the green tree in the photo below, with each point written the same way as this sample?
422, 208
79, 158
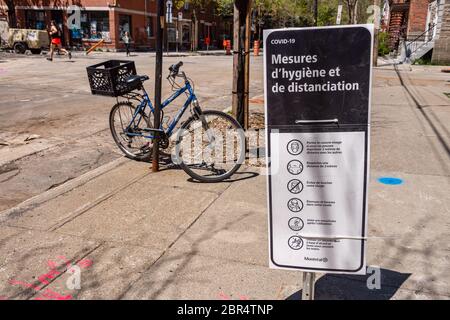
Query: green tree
291, 13
224, 8
327, 13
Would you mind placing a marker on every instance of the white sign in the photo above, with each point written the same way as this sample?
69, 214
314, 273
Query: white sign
318, 199
317, 102
32, 36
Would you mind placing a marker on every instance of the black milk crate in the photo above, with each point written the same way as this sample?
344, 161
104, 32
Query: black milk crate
108, 78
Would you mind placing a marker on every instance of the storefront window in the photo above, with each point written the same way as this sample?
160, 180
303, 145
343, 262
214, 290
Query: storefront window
95, 25
35, 19
124, 25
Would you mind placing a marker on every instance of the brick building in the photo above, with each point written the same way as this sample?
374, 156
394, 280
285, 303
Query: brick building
441, 50
108, 20
424, 24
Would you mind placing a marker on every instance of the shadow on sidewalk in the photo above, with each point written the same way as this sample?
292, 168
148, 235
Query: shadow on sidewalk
166, 163
434, 123
237, 176
354, 287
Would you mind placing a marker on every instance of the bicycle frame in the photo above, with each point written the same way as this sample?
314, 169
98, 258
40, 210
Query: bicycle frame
146, 101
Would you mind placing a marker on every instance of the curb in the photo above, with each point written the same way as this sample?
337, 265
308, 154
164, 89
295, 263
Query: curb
33, 148
39, 199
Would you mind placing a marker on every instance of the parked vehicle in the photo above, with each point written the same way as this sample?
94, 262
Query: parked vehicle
21, 40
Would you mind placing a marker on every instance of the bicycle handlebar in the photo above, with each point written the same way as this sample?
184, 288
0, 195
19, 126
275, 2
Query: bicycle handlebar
174, 69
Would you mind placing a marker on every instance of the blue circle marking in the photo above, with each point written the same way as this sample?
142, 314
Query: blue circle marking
390, 181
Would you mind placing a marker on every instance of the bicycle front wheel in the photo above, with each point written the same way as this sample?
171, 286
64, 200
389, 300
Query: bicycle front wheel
210, 148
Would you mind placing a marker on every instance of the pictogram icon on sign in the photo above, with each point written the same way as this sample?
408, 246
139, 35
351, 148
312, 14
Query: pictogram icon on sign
295, 147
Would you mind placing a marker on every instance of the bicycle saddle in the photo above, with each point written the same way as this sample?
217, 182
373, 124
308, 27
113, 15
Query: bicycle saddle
134, 78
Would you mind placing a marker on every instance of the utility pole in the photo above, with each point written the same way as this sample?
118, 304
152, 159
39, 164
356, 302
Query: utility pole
315, 11
241, 60
158, 79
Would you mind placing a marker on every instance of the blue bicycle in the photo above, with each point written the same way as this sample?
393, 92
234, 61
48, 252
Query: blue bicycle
209, 146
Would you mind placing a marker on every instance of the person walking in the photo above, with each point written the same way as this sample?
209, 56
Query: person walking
126, 40
55, 35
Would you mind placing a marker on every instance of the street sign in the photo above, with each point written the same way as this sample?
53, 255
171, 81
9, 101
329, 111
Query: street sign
317, 101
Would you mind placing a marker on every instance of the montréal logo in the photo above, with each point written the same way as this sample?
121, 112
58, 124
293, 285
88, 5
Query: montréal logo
316, 259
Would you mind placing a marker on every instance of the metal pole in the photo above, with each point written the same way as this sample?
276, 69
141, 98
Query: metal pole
308, 285
158, 78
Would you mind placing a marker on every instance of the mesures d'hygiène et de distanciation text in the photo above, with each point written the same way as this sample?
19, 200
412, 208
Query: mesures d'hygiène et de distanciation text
306, 70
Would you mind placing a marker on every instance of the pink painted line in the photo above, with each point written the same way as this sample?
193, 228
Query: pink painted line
23, 284
85, 263
223, 296
52, 295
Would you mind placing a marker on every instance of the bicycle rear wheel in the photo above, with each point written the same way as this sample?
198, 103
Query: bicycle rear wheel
210, 148
122, 129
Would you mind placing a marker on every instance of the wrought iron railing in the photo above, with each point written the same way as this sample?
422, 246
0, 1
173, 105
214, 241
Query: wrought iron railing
420, 41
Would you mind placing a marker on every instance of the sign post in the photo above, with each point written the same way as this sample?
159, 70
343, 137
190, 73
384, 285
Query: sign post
158, 84
308, 285
317, 101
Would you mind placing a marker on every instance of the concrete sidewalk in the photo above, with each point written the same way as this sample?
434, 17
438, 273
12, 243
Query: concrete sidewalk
142, 235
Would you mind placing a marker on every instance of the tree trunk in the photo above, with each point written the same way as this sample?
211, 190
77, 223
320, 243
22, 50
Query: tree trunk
241, 47
377, 21
350, 12
352, 7
355, 12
